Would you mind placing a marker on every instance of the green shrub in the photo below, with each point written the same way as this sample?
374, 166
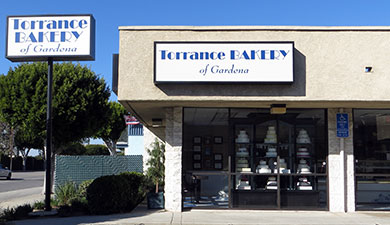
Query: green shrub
79, 205
96, 150
74, 149
39, 205
116, 193
76, 207
21, 212
82, 190
8, 214
66, 193
64, 210
136, 186
54, 202
18, 213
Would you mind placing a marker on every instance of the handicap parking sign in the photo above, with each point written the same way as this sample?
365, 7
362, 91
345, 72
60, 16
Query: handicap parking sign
342, 125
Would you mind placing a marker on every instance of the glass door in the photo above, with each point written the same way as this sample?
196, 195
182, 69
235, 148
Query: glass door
371, 136
254, 180
279, 161
302, 174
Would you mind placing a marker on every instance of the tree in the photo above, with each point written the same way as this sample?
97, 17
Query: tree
156, 162
80, 101
111, 133
4, 137
96, 150
79, 149
25, 140
9, 100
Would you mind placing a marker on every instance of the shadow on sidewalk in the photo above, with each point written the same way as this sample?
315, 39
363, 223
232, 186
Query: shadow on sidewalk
138, 214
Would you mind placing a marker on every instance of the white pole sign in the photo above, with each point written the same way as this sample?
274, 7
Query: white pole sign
224, 62
62, 37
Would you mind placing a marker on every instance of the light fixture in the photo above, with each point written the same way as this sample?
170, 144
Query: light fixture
278, 109
156, 122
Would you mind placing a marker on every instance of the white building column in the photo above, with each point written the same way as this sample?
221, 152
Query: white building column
341, 165
173, 159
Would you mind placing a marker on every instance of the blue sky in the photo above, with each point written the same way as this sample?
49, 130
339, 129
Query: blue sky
111, 14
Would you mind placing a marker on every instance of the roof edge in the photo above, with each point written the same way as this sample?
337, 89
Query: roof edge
254, 28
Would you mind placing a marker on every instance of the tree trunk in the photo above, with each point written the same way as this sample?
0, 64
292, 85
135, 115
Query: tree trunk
156, 187
24, 163
24, 156
111, 146
114, 147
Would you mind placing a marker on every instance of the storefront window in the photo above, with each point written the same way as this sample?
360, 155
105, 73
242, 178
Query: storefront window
372, 159
249, 158
205, 157
279, 160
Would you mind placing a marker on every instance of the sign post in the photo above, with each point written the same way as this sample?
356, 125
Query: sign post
50, 38
49, 134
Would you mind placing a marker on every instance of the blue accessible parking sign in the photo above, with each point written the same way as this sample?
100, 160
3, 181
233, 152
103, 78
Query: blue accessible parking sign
342, 125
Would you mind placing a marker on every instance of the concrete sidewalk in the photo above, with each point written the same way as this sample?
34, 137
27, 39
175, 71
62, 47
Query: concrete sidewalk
20, 197
227, 217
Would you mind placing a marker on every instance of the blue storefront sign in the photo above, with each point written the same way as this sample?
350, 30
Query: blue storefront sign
342, 125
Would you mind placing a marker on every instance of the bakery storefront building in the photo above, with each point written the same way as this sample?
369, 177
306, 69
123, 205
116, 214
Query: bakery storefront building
264, 117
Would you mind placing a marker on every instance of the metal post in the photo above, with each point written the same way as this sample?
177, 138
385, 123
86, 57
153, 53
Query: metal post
48, 134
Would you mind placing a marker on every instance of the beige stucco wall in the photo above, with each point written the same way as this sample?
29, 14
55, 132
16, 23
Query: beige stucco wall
329, 69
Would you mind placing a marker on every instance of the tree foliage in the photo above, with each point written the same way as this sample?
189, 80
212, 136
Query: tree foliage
111, 133
80, 101
156, 162
4, 137
97, 150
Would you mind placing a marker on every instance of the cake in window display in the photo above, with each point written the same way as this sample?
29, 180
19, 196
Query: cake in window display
282, 167
271, 152
242, 164
271, 184
242, 137
243, 184
303, 153
270, 137
304, 184
263, 167
303, 137
303, 167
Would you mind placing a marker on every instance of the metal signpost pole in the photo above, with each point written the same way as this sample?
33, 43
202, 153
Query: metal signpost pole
24, 44
48, 134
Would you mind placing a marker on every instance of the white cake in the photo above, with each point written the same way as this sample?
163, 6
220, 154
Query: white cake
242, 165
303, 137
263, 167
303, 167
303, 152
282, 164
242, 160
271, 183
242, 152
243, 185
270, 137
242, 137
243, 169
271, 152
304, 184
282, 167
